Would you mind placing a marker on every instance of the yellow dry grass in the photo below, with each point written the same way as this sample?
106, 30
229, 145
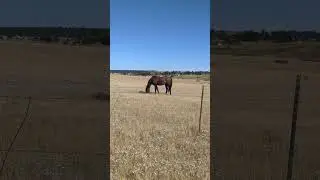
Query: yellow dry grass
61, 139
156, 136
252, 111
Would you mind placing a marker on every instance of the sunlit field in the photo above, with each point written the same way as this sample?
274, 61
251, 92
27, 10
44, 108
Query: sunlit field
155, 136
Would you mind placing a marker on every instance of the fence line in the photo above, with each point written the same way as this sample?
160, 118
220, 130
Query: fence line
27, 117
15, 136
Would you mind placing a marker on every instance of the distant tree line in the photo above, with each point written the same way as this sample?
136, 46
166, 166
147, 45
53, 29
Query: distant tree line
263, 35
148, 73
64, 35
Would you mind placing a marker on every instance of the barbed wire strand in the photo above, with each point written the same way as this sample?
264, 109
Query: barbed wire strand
15, 136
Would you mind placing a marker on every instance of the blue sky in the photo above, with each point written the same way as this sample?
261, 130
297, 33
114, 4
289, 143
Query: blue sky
271, 14
159, 35
88, 13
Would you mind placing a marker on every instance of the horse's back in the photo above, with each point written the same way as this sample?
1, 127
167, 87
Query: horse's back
161, 80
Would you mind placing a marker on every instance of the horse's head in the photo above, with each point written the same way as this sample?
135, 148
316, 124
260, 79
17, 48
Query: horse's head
147, 89
149, 84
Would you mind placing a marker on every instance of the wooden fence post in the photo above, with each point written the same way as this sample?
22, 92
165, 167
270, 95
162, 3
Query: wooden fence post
201, 109
293, 127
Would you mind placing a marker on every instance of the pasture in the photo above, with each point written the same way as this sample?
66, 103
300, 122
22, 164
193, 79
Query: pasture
251, 117
65, 132
155, 136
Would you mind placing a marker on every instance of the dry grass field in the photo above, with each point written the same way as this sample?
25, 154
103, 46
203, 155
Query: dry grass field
156, 136
251, 117
65, 134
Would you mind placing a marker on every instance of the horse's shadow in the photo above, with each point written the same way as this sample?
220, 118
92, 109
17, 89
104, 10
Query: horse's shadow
143, 92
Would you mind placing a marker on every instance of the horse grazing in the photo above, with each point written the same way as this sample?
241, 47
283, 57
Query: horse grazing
159, 81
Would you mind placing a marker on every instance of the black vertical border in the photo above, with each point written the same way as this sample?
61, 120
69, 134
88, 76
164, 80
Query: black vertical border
107, 120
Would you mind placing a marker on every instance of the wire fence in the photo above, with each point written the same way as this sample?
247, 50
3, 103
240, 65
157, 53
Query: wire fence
20, 152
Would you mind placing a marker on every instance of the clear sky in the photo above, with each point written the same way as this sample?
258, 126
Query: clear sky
88, 13
271, 14
160, 34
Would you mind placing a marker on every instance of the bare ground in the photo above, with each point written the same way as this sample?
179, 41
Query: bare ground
156, 136
65, 134
252, 109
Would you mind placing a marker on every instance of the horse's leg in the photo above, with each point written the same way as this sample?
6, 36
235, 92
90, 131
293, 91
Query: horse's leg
170, 89
155, 89
166, 88
158, 90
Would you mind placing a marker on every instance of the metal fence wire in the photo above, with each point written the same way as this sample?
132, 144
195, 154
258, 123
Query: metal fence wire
40, 138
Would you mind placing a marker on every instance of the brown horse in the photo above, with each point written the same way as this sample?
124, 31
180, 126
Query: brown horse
159, 80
